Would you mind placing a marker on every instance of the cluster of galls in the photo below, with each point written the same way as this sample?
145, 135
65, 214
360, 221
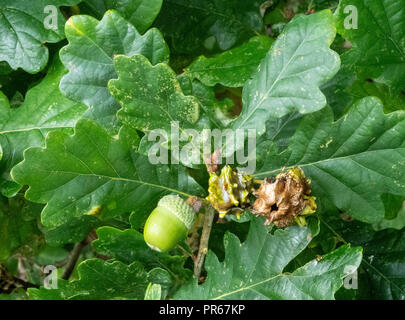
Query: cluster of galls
282, 200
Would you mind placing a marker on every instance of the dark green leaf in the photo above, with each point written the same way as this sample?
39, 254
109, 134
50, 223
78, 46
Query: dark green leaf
45, 109
92, 173
140, 13
102, 280
150, 96
381, 275
73, 231
224, 23
129, 246
24, 30
378, 41
289, 77
231, 68
352, 161
385, 255
89, 58
15, 230
255, 268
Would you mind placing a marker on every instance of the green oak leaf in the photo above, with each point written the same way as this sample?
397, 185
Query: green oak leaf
398, 222
153, 292
393, 205
188, 23
344, 89
150, 96
102, 280
73, 231
289, 77
89, 59
19, 294
337, 89
280, 130
381, 274
386, 254
5, 68
129, 246
255, 268
141, 13
23, 31
15, 228
352, 161
231, 68
217, 110
378, 42
364, 88
49, 255
93, 173
214, 112
45, 109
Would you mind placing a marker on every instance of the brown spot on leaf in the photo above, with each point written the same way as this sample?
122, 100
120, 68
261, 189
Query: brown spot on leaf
311, 11
346, 217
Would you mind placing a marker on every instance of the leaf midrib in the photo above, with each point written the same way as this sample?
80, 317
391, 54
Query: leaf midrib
323, 161
141, 182
36, 128
214, 68
267, 94
283, 274
84, 34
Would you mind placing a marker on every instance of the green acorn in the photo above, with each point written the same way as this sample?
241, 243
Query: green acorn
169, 223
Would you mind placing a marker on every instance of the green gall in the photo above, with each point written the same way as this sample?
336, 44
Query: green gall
229, 190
